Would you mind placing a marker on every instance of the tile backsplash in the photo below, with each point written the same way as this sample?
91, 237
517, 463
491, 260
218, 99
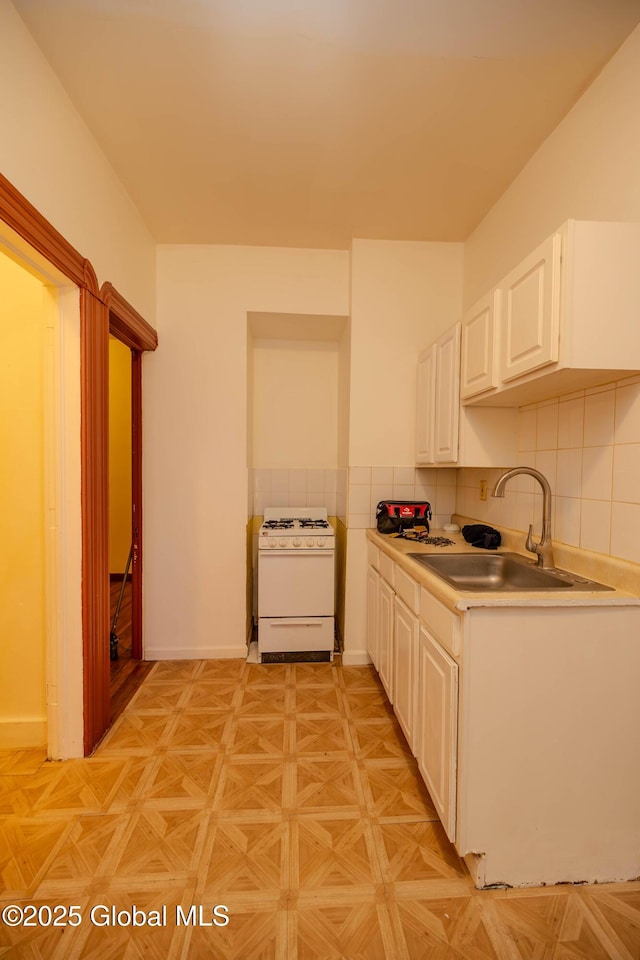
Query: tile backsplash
369, 485
298, 488
352, 494
587, 445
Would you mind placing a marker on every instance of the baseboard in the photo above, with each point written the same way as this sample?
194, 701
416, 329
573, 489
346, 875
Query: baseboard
23, 734
195, 653
355, 658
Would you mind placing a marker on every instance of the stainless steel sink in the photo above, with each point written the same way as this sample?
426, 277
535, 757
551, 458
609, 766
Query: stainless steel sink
507, 572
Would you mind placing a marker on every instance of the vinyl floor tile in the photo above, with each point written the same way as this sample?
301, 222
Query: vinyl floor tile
178, 776
176, 670
160, 697
14, 801
162, 843
198, 730
27, 847
618, 913
322, 736
90, 845
212, 696
397, 791
135, 733
264, 702
413, 852
257, 738
361, 678
250, 856
326, 784
222, 670
286, 792
380, 740
315, 674
21, 762
110, 935
328, 852
252, 785
342, 929
368, 705
318, 701
268, 674
41, 941
251, 934
446, 930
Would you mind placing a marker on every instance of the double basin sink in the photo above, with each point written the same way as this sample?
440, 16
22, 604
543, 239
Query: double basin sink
504, 572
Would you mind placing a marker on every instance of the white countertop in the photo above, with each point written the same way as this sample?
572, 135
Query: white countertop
462, 600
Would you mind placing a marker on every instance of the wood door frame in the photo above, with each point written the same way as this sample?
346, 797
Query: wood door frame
99, 308
127, 326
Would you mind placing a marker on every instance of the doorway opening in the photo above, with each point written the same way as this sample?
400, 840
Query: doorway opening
127, 668
41, 695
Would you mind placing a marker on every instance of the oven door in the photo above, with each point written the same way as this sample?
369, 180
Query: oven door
295, 583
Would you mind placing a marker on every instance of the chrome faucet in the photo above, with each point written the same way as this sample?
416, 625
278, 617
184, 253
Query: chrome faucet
544, 549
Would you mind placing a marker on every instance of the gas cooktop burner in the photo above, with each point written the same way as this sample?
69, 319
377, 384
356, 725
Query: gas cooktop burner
278, 524
314, 524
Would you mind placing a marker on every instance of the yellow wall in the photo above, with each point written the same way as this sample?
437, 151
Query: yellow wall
119, 455
22, 583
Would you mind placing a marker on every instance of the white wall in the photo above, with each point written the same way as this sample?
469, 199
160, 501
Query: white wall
295, 404
48, 153
588, 443
403, 296
586, 169
195, 431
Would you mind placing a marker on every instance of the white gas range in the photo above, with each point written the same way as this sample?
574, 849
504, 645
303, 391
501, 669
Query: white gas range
296, 585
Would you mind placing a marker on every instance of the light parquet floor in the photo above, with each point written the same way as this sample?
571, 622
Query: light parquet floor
287, 793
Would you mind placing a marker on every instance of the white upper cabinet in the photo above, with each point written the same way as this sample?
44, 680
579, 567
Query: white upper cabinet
447, 433
564, 319
478, 367
530, 312
447, 407
426, 395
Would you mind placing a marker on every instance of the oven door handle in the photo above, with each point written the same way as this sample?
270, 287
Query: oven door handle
294, 622
289, 552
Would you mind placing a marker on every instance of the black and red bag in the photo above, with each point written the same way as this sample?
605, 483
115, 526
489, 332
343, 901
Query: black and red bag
394, 516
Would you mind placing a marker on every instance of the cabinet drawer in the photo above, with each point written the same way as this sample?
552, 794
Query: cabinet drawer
373, 555
386, 568
442, 622
408, 589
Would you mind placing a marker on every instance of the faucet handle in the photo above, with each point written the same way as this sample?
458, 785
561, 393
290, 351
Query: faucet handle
529, 544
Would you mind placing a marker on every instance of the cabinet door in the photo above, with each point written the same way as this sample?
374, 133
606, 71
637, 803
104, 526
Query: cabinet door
478, 367
438, 727
425, 399
373, 586
405, 655
385, 637
530, 312
447, 403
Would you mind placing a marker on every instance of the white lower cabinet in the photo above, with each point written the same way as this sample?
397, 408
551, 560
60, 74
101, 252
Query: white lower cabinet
514, 712
373, 588
437, 727
405, 676
385, 636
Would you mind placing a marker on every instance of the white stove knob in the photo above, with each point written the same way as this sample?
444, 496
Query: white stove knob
296, 541
320, 541
282, 542
272, 543
309, 541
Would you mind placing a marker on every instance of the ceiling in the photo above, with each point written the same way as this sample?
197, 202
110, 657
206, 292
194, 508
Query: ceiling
309, 122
